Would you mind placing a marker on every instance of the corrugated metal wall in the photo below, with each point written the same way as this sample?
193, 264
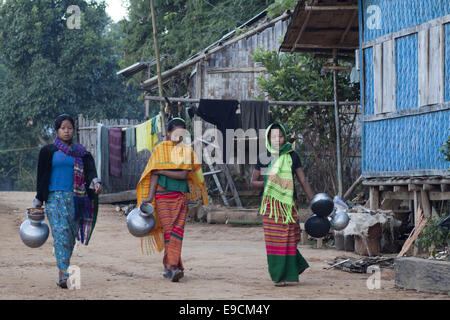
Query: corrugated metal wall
412, 142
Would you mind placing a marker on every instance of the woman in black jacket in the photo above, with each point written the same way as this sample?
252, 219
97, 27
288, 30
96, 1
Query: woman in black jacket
67, 182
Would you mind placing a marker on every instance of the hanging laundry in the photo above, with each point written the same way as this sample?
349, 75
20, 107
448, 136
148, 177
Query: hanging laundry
144, 138
152, 138
158, 127
124, 146
130, 137
221, 113
99, 150
254, 115
141, 136
104, 142
158, 123
153, 131
115, 152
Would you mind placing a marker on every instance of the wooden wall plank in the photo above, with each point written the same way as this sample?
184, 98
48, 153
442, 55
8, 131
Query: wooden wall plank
378, 78
423, 68
436, 65
389, 83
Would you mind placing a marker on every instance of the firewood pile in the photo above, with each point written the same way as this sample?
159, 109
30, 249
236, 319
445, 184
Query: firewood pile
360, 265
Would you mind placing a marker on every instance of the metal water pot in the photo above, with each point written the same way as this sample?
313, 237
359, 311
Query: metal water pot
322, 205
340, 220
34, 231
317, 226
140, 221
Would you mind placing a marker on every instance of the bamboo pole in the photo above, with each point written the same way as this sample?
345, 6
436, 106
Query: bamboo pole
337, 124
278, 103
158, 69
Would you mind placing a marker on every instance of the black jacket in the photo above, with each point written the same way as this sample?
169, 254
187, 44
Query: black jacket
45, 169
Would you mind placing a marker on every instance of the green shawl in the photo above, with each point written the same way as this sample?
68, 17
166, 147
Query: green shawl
279, 183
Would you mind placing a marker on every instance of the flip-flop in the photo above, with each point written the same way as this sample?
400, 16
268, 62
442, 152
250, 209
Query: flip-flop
280, 284
62, 283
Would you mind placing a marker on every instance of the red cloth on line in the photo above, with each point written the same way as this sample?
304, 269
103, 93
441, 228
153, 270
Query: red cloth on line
124, 147
115, 152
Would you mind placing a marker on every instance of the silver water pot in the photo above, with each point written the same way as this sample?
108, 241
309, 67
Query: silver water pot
339, 220
34, 231
140, 221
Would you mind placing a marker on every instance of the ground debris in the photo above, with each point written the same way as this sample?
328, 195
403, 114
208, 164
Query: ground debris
360, 265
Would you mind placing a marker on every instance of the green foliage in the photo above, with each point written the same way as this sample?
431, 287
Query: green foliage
54, 69
279, 6
446, 149
299, 77
47, 69
433, 238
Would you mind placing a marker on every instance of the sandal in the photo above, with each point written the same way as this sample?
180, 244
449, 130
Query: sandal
176, 275
62, 283
280, 284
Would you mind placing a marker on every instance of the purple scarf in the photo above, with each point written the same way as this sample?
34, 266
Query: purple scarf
84, 207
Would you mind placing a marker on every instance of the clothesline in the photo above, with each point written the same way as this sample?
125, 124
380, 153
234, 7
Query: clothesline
279, 103
115, 141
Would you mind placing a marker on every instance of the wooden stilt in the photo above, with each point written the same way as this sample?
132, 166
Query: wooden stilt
426, 205
374, 198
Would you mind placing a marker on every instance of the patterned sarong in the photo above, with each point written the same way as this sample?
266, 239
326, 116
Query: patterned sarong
284, 260
169, 156
60, 212
172, 208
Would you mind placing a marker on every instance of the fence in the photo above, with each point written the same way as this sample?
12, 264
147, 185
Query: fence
131, 169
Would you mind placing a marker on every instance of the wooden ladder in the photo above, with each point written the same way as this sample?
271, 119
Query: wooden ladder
215, 169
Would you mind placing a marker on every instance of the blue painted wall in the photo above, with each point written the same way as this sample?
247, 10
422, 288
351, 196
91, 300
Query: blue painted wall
406, 64
412, 142
447, 61
400, 14
408, 143
368, 79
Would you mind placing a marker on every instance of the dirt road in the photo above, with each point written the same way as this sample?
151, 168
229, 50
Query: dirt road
221, 262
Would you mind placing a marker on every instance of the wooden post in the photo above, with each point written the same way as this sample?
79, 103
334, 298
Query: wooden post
147, 109
425, 203
374, 198
199, 77
158, 68
303, 234
319, 243
337, 124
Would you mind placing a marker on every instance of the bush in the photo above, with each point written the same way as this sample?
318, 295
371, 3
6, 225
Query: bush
433, 238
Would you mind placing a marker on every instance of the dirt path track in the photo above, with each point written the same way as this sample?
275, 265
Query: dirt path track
221, 263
